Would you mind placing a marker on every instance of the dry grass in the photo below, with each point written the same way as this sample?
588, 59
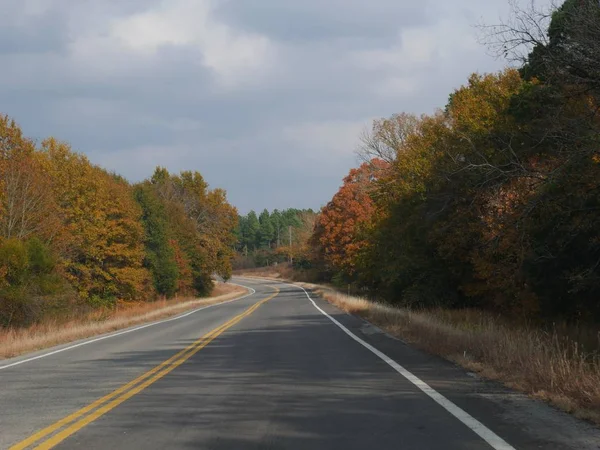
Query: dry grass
547, 365
283, 271
14, 342
262, 272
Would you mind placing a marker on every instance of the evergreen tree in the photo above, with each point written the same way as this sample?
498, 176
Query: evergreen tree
160, 257
253, 230
266, 231
277, 221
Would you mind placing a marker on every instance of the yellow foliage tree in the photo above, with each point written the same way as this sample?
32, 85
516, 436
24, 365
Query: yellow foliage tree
26, 201
104, 252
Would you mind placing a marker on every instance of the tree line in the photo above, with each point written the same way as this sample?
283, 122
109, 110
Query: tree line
273, 237
74, 236
493, 201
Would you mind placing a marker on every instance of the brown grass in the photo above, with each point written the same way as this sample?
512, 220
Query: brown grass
263, 272
546, 365
283, 271
17, 341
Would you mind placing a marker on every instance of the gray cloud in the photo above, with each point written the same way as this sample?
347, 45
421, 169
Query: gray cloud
36, 34
315, 20
265, 98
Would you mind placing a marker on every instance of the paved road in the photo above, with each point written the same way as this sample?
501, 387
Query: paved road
270, 371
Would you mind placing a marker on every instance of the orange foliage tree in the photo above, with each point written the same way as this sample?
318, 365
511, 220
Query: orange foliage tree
338, 227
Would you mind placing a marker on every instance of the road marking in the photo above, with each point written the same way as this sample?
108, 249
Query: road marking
115, 398
480, 429
66, 420
120, 333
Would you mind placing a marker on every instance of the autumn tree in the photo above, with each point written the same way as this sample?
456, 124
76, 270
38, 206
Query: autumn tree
73, 235
104, 254
493, 202
185, 280
555, 44
26, 202
338, 227
557, 109
204, 224
29, 279
387, 137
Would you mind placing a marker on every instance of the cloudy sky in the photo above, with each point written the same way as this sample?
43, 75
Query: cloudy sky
266, 98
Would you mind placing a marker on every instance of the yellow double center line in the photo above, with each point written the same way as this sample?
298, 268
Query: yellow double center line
81, 418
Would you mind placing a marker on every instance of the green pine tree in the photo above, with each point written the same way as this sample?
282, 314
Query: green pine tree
266, 231
253, 231
160, 258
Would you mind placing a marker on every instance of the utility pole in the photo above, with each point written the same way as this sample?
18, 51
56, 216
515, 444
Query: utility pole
291, 258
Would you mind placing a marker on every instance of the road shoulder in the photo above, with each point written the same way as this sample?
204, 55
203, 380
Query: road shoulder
524, 422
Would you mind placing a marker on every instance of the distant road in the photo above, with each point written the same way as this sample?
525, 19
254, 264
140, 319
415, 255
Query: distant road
274, 370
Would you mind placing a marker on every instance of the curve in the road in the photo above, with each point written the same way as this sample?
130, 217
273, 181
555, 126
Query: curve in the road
105, 404
480, 429
127, 331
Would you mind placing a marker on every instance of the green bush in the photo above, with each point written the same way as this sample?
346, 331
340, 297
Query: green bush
29, 282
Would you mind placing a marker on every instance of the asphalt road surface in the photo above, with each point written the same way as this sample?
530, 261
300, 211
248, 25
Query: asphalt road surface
273, 370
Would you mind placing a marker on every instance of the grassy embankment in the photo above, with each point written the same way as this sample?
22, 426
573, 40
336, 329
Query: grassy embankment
17, 341
560, 365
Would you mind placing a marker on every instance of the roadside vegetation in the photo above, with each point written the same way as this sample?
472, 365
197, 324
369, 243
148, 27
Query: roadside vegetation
47, 333
76, 240
493, 202
549, 364
474, 232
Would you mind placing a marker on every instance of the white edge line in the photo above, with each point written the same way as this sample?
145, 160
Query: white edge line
480, 429
131, 330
